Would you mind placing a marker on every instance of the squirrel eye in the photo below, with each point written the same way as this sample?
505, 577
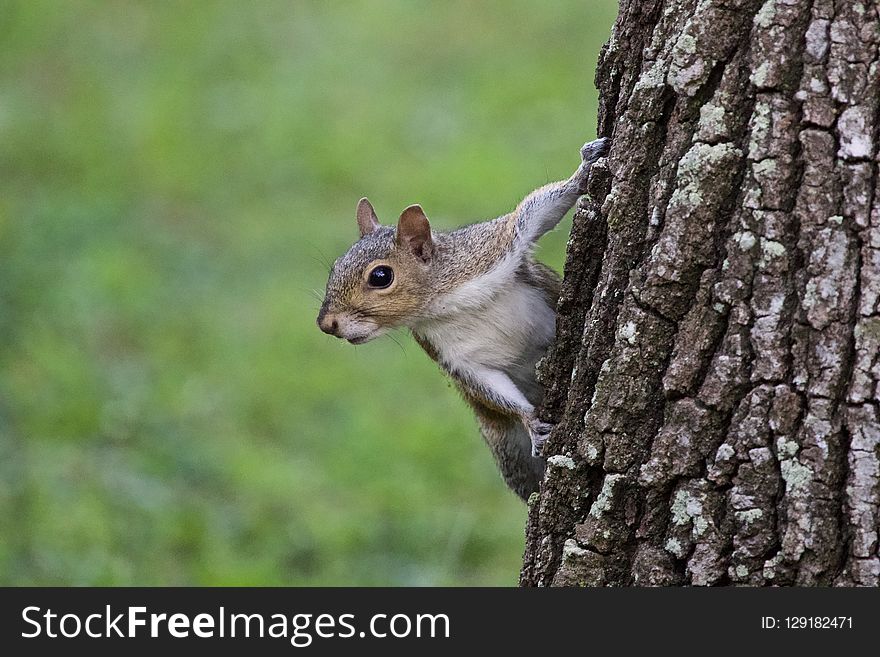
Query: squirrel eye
380, 277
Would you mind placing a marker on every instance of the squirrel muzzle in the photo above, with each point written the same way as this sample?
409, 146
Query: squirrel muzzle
328, 323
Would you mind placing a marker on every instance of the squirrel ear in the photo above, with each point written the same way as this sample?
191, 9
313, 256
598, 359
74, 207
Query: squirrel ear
368, 222
414, 232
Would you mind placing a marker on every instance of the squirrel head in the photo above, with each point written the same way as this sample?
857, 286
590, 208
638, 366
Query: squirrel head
383, 281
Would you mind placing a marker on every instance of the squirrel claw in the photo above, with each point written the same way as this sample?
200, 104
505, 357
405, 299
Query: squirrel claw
539, 432
593, 150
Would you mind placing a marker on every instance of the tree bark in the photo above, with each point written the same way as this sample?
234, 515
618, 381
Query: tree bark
715, 378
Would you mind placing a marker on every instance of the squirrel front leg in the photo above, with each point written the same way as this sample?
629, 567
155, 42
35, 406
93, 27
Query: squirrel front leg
541, 210
497, 390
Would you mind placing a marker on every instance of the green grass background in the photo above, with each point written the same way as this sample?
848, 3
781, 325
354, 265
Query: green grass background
175, 178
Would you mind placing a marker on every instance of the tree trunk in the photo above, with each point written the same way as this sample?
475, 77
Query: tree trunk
715, 373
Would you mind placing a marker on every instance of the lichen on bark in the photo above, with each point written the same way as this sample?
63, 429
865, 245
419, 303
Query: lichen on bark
716, 375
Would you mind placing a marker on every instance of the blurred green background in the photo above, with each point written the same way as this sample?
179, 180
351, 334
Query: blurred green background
175, 178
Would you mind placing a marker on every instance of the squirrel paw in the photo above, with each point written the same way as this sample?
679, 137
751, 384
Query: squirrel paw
538, 432
593, 150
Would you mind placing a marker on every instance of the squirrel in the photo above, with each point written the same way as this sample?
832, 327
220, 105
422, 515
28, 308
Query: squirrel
475, 300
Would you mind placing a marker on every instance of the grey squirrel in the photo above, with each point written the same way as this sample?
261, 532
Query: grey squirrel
475, 300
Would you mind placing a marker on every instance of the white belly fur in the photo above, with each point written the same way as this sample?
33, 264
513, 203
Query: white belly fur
508, 332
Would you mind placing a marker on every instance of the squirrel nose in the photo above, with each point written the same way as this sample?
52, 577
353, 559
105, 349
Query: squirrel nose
329, 324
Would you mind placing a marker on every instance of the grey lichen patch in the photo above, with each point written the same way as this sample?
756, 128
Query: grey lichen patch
764, 167
701, 158
796, 474
745, 240
674, 547
692, 508
688, 70
571, 550
686, 44
647, 94
603, 500
773, 137
764, 17
761, 77
785, 448
770, 297
689, 196
628, 332
654, 76
579, 567
561, 461
855, 127
771, 565
712, 125
760, 120
749, 516
772, 248
685, 507
592, 452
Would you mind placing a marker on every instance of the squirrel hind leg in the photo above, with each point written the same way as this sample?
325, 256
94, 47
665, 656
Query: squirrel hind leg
511, 446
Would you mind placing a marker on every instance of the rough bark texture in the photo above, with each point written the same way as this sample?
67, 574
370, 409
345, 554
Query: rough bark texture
716, 373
